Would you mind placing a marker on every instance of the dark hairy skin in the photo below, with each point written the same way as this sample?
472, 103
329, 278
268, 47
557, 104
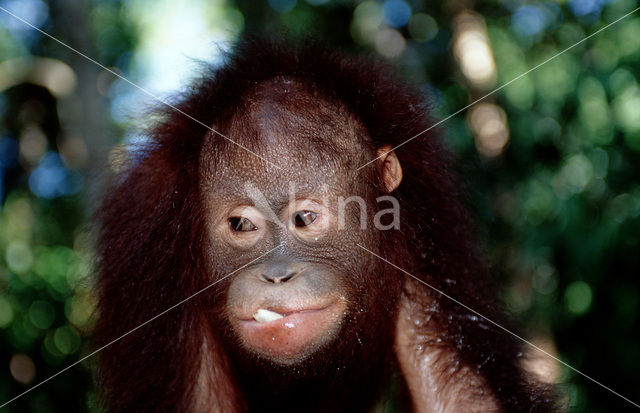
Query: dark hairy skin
350, 332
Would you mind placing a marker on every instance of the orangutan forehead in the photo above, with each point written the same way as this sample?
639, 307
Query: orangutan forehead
287, 116
298, 173
288, 123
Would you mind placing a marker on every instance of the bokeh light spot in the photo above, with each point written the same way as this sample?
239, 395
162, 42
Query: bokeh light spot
33, 11
471, 48
578, 297
396, 13
584, 7
66, 340
41, 314
390, 43
282, 6
51, 179
80, 308
367, 21
22, 368
33, 144
573, 177
19, 257
490, 131
625, 108
422, 27
529, 20
6, 312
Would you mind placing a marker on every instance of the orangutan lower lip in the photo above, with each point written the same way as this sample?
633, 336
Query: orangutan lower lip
288, 334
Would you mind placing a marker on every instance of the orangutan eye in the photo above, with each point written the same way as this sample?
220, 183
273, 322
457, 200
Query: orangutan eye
241, 224
304, 218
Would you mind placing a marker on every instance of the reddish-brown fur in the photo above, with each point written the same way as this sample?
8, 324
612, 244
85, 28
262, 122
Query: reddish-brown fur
152, 256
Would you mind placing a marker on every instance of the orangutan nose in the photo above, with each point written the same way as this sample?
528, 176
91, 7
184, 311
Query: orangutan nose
277, 273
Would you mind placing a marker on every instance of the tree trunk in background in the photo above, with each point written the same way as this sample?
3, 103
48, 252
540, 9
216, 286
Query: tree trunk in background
84, 113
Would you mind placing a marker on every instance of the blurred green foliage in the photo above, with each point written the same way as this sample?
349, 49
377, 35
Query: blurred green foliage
552, 161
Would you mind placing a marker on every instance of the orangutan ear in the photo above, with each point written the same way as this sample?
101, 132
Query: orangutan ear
389, 167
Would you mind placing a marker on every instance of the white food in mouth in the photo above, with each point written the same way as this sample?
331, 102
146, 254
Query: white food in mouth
264, 316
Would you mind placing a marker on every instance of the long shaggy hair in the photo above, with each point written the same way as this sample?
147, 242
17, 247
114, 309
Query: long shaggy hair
152, 229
